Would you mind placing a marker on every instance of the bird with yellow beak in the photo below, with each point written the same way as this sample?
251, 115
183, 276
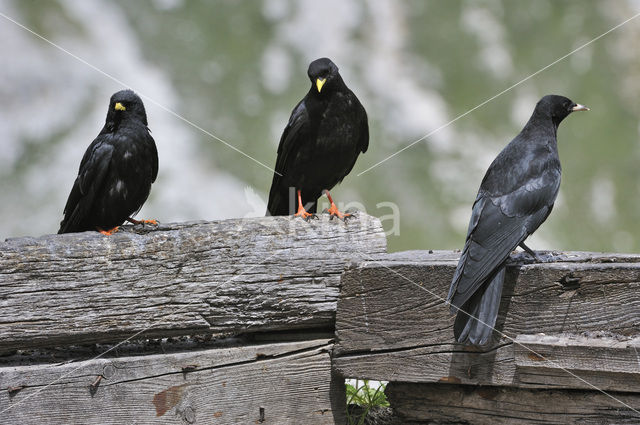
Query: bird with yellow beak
116, 171
326, 132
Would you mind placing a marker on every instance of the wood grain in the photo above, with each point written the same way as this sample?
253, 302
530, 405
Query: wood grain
461, 404
284, 383
392, 322
216, 277
605, 363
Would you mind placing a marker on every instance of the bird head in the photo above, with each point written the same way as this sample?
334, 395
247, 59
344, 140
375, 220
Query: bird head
324, 76
558, 107
125, 104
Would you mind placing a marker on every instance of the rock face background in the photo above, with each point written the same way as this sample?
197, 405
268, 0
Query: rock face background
237, 71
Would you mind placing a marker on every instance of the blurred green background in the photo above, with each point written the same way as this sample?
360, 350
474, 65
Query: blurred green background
236, 69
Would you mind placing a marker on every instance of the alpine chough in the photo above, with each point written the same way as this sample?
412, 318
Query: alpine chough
116, 171
326, 132
515, 197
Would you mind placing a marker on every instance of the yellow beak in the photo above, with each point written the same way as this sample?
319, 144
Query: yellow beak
319, 83
120, 107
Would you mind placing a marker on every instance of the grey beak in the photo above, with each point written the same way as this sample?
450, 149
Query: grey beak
579, 107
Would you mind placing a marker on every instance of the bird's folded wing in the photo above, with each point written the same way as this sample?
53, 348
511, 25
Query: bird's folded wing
497, 226
363, 143
94, 166
536, 194
154, 157
289, 143
93, 169
488, 245
291, 139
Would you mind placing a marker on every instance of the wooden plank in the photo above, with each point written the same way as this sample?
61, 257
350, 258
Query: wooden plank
222, 277
608, 364
437, 363
285, 383
605, 362
392, 322
461, 404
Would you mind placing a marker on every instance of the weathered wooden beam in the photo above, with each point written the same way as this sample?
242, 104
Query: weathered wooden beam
279, 383
603, 362
221, 277
478, 405
392, 322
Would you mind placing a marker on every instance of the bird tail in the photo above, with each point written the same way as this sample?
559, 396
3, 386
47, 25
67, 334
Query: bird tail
282, 200
72, 221
76, 209
477, 317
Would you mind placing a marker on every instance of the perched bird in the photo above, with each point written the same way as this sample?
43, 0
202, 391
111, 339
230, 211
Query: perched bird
515, 197
116, 171
326, 132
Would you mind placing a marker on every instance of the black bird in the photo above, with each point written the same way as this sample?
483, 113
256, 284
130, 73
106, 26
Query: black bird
515, 197
326, 132
116, 171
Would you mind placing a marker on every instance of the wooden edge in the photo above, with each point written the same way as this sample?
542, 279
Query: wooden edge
481, 405
284, 383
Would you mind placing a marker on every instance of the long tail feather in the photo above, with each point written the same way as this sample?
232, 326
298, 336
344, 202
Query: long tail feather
476, 327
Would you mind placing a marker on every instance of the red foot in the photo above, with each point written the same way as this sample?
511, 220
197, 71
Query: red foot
134, 221
304, 214
334, 212
108, 232
301, 211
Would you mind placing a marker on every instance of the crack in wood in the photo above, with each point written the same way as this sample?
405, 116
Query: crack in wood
260, 357
97, 289
460, 350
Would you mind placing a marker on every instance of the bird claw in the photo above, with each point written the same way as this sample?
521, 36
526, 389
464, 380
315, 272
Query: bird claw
334, 212
143, 222
308, 217
344, 217
349, 215
531, 253
302, 213
108, 232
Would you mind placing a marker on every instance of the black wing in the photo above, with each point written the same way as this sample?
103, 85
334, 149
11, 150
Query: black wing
289, 142
363, 131
154, 154
498, 225
93, 168
363, 144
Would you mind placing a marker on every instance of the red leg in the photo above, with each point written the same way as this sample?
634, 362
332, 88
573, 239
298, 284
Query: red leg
134, 221
301, 211
108, 232
333, 210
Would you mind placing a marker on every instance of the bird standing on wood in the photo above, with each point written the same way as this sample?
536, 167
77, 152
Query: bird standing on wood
515, 197
116, 171
326, 132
